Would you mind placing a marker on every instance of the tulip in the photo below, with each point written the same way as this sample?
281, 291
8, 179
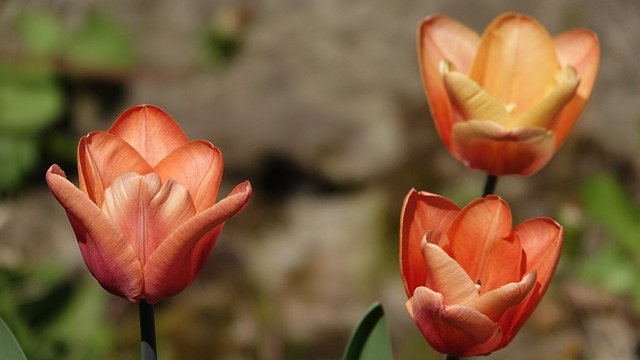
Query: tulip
504, 102
473, 280
145, 214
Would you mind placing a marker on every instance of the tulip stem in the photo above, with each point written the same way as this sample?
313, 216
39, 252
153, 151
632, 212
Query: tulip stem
490, 185
147, 331
449, 357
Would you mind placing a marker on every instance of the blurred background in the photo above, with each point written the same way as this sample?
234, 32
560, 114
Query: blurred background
319, 103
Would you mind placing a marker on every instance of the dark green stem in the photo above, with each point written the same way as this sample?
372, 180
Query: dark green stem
490, 185
449, 357
147, 331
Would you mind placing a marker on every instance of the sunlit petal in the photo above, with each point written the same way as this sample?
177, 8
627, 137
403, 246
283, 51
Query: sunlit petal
472, 101
497, 301
447, 277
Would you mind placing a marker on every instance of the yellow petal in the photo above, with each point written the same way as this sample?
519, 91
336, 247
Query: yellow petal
472, 101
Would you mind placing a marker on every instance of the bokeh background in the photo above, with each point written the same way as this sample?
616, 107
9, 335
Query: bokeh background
319, 103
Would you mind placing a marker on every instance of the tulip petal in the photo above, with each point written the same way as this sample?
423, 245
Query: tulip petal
146, 211
516, 61
543, 113
102, 157
421, 212
485, 145
196, 165
581, 49
441, 38
497, 301
541, 240
456, 330
189, 247
446, 276
108, 255
472, 101
483, 244
149, 130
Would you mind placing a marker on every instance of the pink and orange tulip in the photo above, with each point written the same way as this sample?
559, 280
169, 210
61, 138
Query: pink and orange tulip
145, 215
505, 102
473, 280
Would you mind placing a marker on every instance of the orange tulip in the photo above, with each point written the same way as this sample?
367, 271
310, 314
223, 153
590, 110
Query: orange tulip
505, 102
146, 216
473, 280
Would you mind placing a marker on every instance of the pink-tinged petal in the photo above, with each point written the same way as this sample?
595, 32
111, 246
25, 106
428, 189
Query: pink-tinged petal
149, 130
102, 157
581, 49
487, 146
441, 38
455, 330
516, 61
483, 244
146, 211
541, 240
108, 255
446, 276
496, 302
189, 246
196, 165
421, 212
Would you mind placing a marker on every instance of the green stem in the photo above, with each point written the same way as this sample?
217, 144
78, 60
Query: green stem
490, 185
147, 331
449, 357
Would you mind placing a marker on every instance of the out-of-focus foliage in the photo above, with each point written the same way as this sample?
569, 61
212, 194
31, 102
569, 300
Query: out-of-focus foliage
32, 99
222, 39
53, 317
616, 262
10, 348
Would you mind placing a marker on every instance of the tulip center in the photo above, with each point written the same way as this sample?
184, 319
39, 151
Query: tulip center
478, 286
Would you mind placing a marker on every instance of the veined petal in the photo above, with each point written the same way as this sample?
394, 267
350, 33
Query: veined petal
421, 212
442, 38
581, 49
456, 330
146, 211
543, 113
446, 276
516, 61
472, 101
485, 145
483, 244
190, 245
197, 165
149, 130
496, 302
108, 255
102, 157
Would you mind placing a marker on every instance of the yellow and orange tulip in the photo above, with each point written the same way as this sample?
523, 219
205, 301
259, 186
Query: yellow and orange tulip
145, 215
473, 280
504, 102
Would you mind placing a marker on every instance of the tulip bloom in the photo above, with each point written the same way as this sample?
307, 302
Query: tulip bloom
505, 102
473, 280
145, 215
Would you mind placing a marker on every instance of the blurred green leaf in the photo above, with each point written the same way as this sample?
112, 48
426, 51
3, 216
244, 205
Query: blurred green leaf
10, 348
17, 157
42, 33
101, 44
30, 99
370, 340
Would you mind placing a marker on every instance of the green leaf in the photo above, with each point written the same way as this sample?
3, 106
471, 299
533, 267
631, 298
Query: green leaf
42, 33
18, 155
10, 348
370, 340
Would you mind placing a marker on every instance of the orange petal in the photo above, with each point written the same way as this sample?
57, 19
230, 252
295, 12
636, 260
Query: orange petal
581, 49
146, 211
487, 146
455, 330
541, 241
103, 157
516, 61
441, 38
482, 243
496, 302
421, 212
149, 130
196, 165
190, 245
446, 276
108, 255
